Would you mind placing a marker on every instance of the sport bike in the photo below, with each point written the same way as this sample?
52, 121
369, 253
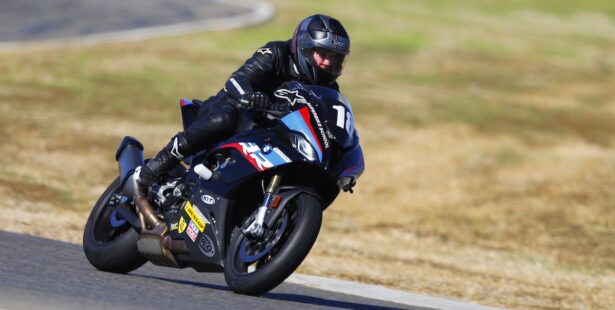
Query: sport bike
250, 206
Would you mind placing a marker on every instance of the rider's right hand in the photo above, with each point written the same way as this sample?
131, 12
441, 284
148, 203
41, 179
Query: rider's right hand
255, 100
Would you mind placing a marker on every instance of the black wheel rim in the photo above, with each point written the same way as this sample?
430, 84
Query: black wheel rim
109, 224
251, 255
251, 250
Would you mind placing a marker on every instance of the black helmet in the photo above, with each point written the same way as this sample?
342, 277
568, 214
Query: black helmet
325, 36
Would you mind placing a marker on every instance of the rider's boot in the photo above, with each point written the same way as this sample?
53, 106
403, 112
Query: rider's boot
166, 159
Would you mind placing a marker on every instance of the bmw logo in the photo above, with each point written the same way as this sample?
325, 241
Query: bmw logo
266, 148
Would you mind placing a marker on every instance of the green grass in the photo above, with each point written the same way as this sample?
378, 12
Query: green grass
528, 122
555, 7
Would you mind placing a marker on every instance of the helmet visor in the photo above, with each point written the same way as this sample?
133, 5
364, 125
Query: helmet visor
318, 34
328, 61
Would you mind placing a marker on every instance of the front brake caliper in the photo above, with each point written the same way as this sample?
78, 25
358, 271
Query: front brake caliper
256, 229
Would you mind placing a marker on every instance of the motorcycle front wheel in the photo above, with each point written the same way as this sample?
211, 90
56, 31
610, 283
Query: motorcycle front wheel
255, 266
110, 244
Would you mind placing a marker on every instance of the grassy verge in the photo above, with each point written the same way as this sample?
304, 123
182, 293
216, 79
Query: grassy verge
487, 128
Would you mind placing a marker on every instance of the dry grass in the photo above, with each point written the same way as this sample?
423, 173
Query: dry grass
487, 129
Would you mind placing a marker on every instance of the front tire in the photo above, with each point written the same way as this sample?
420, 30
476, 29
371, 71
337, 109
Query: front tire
108, 248
303, 217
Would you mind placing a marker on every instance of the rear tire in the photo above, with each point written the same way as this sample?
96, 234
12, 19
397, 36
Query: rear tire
115, 251
304, 220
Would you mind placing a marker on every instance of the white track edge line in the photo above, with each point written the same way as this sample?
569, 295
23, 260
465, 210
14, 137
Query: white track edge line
381, 293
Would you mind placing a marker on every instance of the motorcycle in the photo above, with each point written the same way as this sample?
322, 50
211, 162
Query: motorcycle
250, 206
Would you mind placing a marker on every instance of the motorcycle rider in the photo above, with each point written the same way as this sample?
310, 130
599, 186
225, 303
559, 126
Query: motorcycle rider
315, 55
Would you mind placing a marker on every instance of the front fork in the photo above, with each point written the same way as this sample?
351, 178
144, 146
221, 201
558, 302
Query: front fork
270, 201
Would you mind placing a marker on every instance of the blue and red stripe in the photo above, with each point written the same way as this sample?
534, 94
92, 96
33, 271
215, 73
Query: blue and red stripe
300, 121
239, 148
184, 102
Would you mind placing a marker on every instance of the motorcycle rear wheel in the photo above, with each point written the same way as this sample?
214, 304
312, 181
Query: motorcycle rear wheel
112, 249
303, 220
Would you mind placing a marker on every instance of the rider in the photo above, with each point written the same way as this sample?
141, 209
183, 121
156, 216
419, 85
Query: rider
315, 55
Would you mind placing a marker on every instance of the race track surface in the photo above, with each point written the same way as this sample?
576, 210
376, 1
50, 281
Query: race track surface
26, 21
37, 273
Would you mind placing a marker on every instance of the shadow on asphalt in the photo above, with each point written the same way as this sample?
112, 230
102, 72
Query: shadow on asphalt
305, 299
200, 284
318, 301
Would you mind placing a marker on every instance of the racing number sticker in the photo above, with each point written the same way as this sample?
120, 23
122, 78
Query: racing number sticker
344, 118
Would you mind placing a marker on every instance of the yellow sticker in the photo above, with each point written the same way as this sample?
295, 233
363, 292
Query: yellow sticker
195, 215
182, 225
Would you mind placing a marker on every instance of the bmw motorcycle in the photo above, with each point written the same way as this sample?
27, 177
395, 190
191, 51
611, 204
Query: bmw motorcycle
250, 206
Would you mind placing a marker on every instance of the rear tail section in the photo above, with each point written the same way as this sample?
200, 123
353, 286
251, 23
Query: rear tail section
129, 156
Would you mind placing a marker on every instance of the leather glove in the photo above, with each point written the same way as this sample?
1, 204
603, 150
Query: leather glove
255, 100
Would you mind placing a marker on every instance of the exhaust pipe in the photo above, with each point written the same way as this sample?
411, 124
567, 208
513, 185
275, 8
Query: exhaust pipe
129, 156
153, 242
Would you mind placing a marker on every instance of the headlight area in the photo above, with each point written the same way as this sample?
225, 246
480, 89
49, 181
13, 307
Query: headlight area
303, 146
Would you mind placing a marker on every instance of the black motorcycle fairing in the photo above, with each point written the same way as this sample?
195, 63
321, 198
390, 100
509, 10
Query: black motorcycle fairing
351, 163
247, 180
337, 112
207, 247
347, 162
240, 165
327, 104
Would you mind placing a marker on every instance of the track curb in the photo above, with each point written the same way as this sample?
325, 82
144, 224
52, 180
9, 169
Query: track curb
382, 293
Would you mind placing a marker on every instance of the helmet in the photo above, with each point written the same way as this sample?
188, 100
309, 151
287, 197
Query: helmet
322, 37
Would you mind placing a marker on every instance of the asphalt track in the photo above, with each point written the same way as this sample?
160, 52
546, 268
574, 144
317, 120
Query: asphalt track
61, 22
37, 273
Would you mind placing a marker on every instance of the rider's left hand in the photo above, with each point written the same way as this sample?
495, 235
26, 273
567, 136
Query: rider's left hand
255, 100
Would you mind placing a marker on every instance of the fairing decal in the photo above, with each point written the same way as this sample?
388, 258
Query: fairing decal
300, 121
184, 102
260, 159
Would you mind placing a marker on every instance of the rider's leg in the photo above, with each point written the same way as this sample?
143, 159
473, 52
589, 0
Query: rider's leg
215, 122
